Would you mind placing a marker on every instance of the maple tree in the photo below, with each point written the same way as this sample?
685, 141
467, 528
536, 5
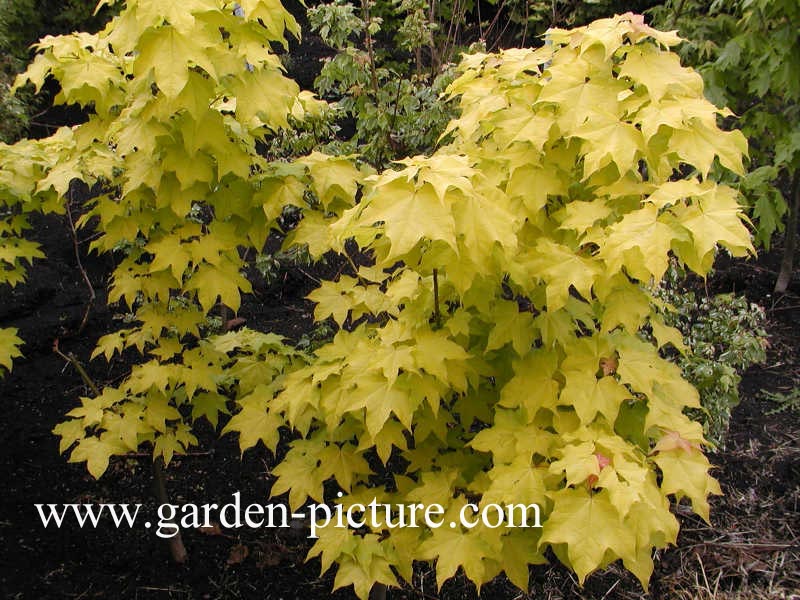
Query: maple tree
489, 339
176, 106
511, 275
23, 22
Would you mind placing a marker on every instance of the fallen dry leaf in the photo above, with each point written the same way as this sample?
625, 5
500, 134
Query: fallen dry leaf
272, 555
238, 553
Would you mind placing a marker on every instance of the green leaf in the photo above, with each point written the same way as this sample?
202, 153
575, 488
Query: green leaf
624, 242
660, 72
70, 431
409, 215
560, 268
298, 474
210, 405
254, 421
333, 299
589, 396
344, 463
716, 220
96, 452
221, 281
264, 97
686, 474
452, 548
589, 526
168, 53
158, 411
511, 325
9, 346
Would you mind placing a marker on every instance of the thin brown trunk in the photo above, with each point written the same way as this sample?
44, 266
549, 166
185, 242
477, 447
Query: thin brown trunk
435, 58
70, 358
370, 50
74, 233
176, 548
790, 247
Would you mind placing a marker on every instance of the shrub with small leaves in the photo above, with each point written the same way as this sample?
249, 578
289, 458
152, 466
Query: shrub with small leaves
395, 112
724, 335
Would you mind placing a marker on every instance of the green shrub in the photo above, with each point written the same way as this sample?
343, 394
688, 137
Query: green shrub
396, 111
725, 335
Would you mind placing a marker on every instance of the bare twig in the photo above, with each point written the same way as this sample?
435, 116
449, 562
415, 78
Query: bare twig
71, 359
309, 276
75, 244
780, 308
181, 455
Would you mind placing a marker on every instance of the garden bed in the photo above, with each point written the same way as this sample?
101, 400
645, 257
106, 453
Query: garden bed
751, 550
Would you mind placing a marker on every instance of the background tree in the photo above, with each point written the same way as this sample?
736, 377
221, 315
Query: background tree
749, 54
